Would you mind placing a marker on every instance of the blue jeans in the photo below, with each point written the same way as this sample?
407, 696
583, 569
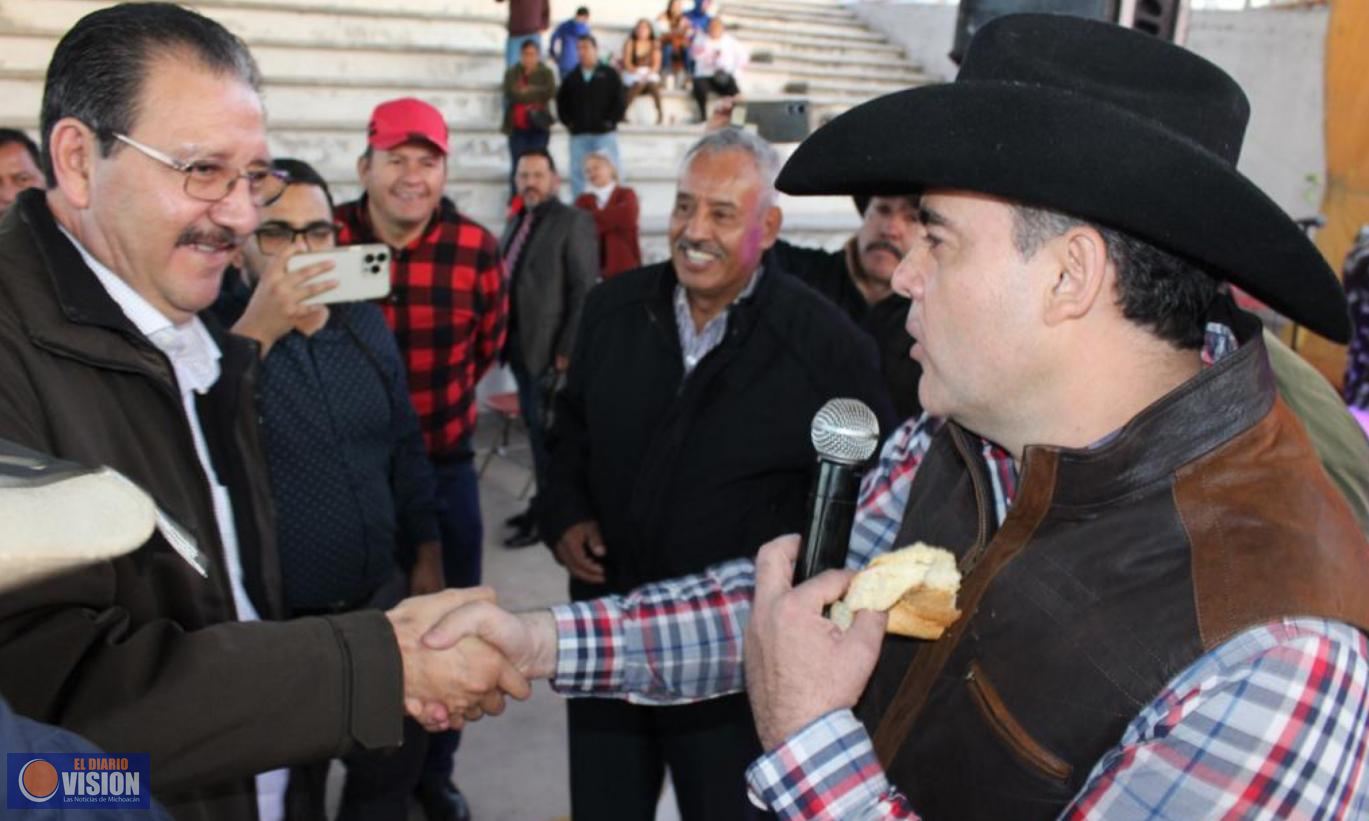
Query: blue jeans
515, 45
582, 145
458, 512
521, 142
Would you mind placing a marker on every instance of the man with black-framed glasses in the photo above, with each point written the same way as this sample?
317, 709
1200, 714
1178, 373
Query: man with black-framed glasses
353, 490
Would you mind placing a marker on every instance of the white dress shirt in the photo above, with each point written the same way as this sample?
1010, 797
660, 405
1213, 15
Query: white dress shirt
195, 358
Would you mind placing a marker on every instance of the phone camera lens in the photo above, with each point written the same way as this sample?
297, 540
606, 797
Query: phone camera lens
370, 258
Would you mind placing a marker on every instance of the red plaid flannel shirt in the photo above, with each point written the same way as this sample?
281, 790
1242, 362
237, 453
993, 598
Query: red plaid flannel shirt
448, 308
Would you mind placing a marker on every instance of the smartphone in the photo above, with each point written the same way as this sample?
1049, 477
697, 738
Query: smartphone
362, 272
739, 115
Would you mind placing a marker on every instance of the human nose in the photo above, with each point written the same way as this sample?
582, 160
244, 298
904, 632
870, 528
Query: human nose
910, 275
696, 224
236, 211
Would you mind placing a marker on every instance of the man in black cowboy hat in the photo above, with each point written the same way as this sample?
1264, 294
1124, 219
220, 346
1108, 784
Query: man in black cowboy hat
1162, 595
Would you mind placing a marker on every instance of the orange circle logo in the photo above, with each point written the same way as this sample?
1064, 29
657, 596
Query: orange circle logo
38, 780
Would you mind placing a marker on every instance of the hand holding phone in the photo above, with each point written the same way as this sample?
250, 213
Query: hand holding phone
278, 302
362, 272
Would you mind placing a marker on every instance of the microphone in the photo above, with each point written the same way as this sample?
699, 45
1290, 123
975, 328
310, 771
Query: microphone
845, 433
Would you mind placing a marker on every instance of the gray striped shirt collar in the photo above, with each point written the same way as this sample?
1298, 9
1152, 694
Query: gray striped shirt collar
696, 344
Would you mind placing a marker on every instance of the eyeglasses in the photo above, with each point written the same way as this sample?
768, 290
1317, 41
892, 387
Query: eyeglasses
274, 237
210, 182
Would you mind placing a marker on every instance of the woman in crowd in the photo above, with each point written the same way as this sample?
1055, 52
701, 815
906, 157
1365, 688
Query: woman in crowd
615, 213
529, 86
718, 61
642, 66
676, 33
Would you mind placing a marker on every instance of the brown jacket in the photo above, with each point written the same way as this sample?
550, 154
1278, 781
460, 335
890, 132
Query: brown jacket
1115, 569
141, 654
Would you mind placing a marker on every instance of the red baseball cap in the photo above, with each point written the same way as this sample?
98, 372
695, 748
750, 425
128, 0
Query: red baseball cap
396, 122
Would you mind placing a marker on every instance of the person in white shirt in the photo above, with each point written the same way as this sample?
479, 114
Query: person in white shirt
719, 59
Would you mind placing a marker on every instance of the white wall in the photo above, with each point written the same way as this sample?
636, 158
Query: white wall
1275, 54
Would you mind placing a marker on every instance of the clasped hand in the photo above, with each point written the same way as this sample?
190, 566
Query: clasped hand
463, 655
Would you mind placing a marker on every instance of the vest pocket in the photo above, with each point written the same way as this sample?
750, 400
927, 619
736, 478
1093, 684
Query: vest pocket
1014, 736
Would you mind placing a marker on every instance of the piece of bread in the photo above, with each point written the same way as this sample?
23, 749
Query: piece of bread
916, 585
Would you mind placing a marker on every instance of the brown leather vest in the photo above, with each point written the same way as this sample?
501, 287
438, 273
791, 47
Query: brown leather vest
1113, 571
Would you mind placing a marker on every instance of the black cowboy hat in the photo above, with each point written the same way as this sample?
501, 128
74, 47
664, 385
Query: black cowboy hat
1094, 120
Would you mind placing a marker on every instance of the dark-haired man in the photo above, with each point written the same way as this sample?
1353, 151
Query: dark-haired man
448, 308
552, 255
353, 490
590, 104
156, 162
858, 278
1162, 597
562, 47
682, 438
18, 166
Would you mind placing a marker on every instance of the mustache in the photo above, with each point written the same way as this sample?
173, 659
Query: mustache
214, 237
683, 245
885, 245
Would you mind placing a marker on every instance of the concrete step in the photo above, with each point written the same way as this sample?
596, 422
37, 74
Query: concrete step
319, 102
283, 58
781, 30
788, 11
851, 26
431, 9
839, 69
280, 58
335, 27
803, 47
854, 89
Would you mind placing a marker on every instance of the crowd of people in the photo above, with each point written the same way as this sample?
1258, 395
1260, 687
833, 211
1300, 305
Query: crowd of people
1158, 510
589, 91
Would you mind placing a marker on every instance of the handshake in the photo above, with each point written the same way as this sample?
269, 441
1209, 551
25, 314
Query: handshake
463, 655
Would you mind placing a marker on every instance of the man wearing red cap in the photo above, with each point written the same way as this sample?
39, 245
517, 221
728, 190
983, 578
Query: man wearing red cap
448, 307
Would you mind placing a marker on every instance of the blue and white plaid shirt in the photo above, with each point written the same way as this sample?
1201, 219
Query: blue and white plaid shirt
1273, 723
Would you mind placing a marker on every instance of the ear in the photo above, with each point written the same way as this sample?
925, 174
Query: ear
73, 149
1084, 274
770, 226
363, 167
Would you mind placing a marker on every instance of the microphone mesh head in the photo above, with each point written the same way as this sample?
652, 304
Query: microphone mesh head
845, 430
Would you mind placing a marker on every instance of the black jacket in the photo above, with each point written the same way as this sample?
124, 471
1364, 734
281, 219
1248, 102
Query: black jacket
593, 107
829, 273
684, 474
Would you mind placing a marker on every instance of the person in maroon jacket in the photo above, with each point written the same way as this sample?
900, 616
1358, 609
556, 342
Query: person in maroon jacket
615, 212
527, 20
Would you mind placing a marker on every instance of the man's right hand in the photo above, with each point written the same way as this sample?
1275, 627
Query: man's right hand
580, 549
527, 640
276, 307
465, 680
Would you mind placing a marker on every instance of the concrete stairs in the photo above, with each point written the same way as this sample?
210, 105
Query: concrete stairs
326, 63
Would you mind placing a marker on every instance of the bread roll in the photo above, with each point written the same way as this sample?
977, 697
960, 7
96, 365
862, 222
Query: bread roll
916, 585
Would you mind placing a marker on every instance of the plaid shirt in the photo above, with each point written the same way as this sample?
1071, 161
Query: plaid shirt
448, 308
1273, 723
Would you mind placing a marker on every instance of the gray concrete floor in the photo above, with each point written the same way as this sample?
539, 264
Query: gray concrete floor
513, 767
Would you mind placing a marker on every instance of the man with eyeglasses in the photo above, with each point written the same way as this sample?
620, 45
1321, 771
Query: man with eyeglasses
157, 166
350, 480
